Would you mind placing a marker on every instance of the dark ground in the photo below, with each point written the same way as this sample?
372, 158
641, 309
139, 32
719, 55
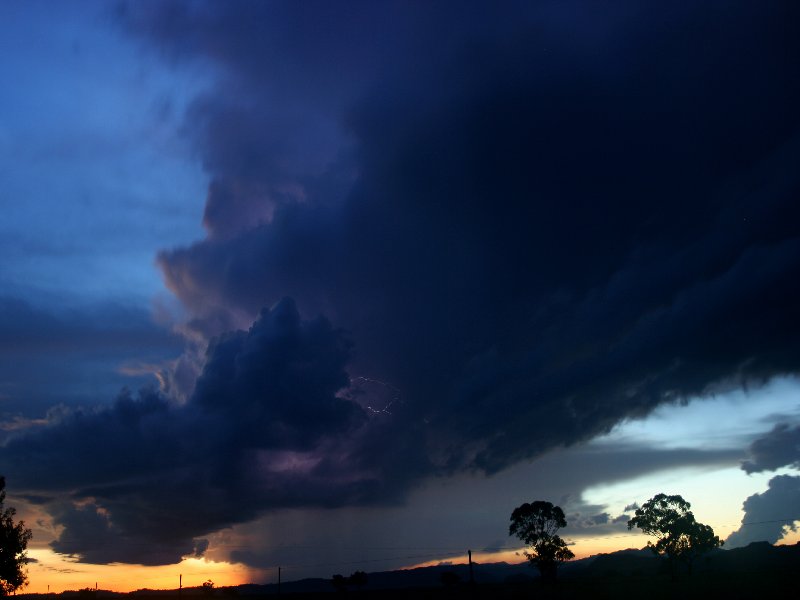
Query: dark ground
759, 571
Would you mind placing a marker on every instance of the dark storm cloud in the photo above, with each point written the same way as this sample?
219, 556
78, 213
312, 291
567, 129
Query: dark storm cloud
763, 511
265, 428
778, 448
532, 222
90, 351
586, 517
441, 510
592, 520
89, 535
775, 449
545, 221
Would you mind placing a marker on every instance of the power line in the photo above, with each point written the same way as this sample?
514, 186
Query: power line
443, 551
792, 520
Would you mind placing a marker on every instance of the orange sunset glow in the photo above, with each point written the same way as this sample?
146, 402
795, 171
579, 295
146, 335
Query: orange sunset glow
322, 298
51, 573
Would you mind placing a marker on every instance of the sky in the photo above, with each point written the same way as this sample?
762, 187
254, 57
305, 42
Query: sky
337, 286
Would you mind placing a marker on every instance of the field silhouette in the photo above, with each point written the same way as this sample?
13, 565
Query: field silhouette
759, 570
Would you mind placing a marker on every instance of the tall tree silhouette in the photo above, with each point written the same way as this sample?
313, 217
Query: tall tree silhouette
536, 524
679, 536
13, 543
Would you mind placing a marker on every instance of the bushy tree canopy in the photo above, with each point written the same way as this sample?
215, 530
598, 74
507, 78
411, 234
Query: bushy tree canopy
678, 535
13, 543
536, 524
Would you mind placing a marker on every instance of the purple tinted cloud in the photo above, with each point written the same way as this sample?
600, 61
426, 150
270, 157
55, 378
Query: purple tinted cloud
533, 223
265, 428
509, 222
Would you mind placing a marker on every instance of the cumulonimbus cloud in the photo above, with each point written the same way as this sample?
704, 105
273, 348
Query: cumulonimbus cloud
143, 479
506, 224
768, 516
530, 228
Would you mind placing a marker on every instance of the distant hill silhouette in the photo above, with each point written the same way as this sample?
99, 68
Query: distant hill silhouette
758, 570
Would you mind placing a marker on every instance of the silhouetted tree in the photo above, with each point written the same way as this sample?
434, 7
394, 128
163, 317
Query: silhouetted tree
679, 536
208, 588
339, 582
358, 579
14, 539
536, 524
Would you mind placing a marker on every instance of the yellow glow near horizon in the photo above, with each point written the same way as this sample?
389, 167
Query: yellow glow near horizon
716, 495
582, 547
715, 491
53, 570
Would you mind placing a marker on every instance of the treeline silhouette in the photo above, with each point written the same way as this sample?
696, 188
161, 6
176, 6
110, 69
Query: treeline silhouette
759, 570
683, 560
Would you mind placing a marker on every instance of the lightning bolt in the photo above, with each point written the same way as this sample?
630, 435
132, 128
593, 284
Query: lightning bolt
395, 393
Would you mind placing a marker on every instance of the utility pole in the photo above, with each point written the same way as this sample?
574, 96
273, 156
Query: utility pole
180, 585
279, 581
471, 577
